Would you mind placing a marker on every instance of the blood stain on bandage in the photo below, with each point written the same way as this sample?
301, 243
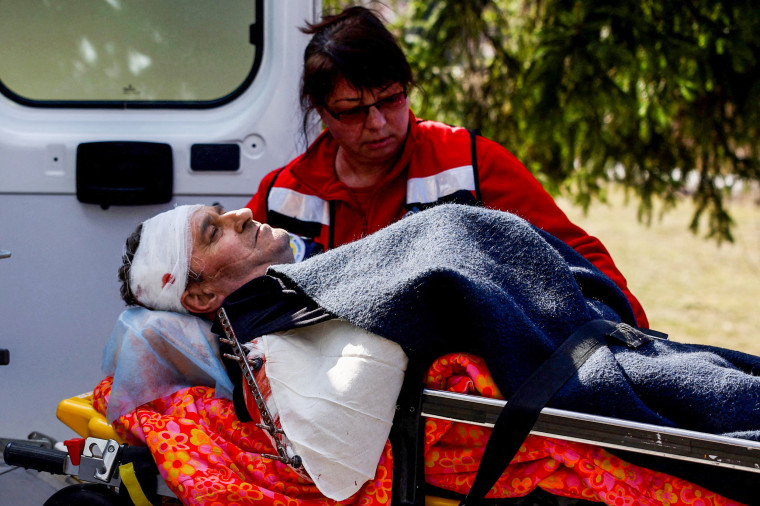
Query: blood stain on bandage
167, 278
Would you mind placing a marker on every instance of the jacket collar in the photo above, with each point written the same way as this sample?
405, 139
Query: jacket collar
315, 169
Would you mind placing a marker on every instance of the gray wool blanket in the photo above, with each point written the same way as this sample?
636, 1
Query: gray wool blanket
461, 278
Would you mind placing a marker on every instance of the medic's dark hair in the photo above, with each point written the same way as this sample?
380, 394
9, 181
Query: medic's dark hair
353, 45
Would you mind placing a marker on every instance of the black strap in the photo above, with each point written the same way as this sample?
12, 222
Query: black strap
331, 229
523, 407
408, 437
474, 155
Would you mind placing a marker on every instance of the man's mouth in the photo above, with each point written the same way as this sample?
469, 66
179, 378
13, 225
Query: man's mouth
255, 233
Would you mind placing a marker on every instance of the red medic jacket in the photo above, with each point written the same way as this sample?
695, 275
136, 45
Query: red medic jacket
438, 164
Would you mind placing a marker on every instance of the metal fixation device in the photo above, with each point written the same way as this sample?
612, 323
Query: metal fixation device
100, 460
239, 356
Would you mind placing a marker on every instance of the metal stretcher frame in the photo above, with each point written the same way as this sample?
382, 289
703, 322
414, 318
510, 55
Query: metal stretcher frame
680, 444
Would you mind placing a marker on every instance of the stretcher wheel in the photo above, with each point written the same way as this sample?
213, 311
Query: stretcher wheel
85, 494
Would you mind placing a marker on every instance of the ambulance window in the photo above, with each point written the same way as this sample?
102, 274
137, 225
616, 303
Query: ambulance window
129, 53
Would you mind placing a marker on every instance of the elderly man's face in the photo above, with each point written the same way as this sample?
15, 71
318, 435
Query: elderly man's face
230, 249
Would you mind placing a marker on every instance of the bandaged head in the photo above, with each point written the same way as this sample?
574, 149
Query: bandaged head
159, 269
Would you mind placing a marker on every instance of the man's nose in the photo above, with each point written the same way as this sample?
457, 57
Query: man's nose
239, 218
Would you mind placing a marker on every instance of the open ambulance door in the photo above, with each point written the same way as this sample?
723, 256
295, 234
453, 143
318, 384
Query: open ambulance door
110, 112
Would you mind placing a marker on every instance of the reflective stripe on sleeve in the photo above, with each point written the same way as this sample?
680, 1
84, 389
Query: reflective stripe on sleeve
425, 190
297, 205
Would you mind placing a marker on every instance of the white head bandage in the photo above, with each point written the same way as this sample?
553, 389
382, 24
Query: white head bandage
158, 275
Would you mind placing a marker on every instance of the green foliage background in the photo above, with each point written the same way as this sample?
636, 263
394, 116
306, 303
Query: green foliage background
660, 95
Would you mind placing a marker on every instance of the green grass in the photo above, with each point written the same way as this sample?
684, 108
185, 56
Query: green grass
692, 288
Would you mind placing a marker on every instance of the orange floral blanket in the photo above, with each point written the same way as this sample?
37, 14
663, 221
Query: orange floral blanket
208, 457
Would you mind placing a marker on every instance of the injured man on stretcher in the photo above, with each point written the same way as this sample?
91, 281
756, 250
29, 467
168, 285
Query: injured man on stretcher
335, 331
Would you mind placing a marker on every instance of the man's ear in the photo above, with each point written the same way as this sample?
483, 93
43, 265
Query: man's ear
201, 299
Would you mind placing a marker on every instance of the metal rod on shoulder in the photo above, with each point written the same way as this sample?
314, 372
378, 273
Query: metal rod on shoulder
239, 356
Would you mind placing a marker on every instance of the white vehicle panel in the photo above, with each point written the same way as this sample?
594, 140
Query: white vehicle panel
59, 293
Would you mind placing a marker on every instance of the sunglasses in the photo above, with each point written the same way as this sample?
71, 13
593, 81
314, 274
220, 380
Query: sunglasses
359, 114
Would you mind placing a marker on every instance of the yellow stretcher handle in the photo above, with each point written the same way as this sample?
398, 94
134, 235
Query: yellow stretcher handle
79, 414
